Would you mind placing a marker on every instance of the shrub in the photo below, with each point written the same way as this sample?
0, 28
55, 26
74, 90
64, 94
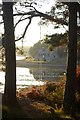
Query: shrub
54, 94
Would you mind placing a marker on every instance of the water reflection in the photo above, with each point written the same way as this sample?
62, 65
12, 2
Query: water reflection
47, 73
24, 78
33, 76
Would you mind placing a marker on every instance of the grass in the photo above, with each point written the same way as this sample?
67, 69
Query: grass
62, 114
59, 61
19, 112
32, 60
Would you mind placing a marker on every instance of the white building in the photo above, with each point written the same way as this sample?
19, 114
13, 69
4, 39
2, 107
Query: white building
46, 55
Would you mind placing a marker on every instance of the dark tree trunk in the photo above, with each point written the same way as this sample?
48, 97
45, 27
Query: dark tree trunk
10, 78
69, 96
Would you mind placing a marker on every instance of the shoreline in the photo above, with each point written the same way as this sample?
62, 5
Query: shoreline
36, 66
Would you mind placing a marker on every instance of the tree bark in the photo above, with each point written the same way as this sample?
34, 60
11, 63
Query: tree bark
10, 77
69, 95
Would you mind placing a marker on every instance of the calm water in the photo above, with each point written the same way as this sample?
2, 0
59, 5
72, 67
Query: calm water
34, 75
24, 78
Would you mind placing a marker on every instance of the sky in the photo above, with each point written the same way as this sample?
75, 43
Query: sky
35, 32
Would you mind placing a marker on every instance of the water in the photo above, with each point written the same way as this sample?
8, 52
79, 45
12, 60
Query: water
47, 73
24, 79
33, 75
18, 57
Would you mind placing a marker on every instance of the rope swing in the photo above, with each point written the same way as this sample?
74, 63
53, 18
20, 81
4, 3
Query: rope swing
40, 65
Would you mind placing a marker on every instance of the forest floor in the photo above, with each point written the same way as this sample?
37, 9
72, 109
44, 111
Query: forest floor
36, 107
32, 105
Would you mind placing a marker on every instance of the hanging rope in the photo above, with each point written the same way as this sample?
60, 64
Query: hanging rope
22, 47
40, 53
40, 29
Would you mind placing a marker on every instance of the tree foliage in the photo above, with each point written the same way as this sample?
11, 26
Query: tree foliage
60, 12
37, 47
29, 9
59, 17
56, 39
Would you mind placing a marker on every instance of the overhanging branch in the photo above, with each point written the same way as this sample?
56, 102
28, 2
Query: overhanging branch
49, 17
25, 30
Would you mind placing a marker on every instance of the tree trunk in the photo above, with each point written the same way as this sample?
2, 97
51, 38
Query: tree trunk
10, 78
69, 95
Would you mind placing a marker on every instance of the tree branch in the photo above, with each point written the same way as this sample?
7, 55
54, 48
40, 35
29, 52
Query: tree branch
1, 22
25, 30
49, 17
18, 21
35, 13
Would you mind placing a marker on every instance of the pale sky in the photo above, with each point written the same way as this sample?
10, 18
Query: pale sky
36, 32
33, 32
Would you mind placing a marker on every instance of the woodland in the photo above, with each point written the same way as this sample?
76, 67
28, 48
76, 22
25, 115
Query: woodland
55, 102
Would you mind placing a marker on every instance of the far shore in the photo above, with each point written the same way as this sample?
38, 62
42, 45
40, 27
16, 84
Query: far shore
28, 64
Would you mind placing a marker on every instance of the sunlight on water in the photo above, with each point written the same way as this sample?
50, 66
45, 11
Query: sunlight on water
24, 78
20, 57
2, 77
